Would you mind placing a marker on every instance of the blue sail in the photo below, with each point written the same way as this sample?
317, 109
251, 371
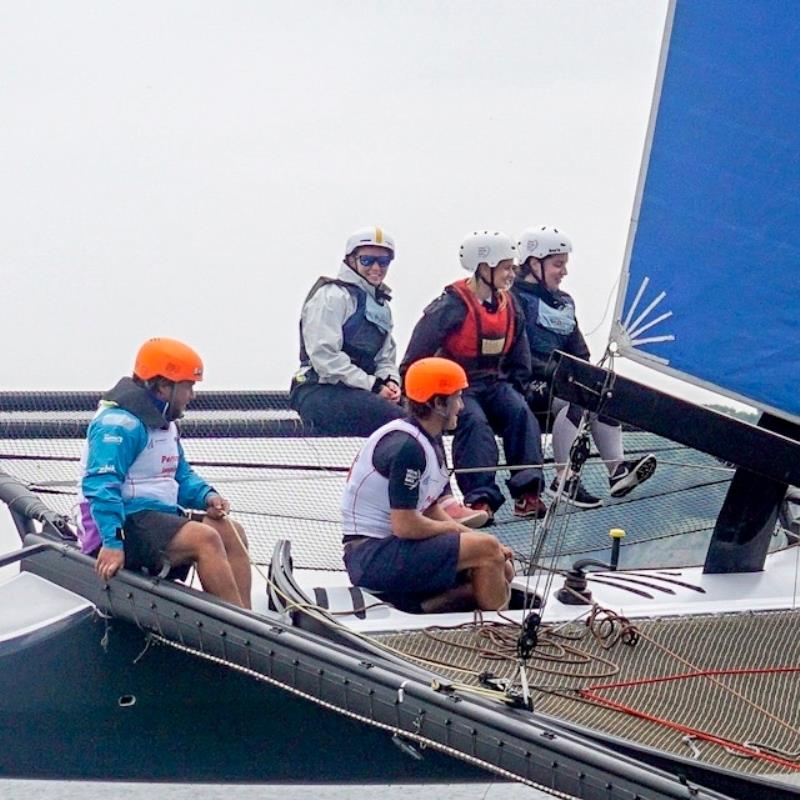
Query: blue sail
711, 292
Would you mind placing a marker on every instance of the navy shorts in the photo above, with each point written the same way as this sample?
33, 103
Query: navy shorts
405, 566
147, 537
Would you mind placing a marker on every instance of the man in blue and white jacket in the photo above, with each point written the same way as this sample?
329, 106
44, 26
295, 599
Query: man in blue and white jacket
136, 483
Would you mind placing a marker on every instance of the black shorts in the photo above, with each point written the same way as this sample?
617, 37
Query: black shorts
147, 537
415, 566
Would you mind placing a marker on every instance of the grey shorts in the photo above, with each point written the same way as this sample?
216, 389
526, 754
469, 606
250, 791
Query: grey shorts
147, 537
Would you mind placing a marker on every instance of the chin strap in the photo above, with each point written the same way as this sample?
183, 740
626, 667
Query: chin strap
165, 407
490, 284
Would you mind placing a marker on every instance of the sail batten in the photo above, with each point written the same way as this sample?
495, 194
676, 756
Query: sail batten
713, 256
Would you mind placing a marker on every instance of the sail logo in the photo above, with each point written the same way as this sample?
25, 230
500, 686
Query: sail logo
627, 334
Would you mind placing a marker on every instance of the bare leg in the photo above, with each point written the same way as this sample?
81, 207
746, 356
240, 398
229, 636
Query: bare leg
199, 542
237, 554
484, 556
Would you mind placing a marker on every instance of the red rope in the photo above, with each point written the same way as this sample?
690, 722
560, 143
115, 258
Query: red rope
699, 674
590, 694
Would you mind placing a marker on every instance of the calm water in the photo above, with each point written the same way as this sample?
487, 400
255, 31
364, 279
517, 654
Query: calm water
82, 790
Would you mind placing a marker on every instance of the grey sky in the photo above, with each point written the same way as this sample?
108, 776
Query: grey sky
189, 168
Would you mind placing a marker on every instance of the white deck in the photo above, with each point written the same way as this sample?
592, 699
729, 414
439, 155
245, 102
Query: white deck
773, 589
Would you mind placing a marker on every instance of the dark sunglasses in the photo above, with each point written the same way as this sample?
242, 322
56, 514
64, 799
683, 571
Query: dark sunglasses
368, 261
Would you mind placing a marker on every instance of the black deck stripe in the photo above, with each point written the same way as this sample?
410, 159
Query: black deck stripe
358, 602
321, 597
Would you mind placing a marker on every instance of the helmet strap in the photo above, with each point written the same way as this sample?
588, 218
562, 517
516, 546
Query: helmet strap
490, 284
169, 414
164, 406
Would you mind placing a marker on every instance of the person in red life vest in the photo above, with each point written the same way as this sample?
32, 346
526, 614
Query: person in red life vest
348, 383
476, 322
136, 488
397, 540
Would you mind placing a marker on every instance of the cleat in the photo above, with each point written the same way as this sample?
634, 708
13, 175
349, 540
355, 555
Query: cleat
576, 494
629, 474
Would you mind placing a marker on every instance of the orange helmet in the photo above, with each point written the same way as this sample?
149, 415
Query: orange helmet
168, 358
431, 376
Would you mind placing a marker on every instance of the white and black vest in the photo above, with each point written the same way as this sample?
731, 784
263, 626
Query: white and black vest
365, 501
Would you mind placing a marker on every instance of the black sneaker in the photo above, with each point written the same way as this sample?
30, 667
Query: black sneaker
629, 474
575, 493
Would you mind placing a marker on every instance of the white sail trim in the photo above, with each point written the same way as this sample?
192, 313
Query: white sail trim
627, 335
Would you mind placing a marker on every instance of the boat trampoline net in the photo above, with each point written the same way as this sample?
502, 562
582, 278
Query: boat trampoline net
285, 482
721, 688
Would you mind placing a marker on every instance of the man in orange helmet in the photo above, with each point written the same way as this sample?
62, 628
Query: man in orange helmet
136, 482
397, 539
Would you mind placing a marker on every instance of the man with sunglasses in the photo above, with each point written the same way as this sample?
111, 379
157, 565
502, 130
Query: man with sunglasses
348, 383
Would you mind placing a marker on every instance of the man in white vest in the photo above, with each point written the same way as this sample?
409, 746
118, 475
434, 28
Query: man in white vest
397, 540
137, 490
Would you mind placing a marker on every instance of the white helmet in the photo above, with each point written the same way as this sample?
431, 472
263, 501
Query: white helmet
486, 247
542, 241
365, 236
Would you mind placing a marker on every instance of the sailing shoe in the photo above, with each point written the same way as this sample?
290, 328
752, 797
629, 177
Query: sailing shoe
529, 505
629, 474
483, 507
472, 517
575, 493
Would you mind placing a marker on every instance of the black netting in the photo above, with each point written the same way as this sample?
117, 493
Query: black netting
285, 482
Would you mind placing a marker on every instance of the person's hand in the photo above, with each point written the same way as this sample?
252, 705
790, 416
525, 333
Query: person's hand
508, 553
459, 528
537, 395
537, 390
109, 562
217, 507
391, 391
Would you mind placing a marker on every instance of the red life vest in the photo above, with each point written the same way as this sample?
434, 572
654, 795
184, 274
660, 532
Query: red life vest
484, 337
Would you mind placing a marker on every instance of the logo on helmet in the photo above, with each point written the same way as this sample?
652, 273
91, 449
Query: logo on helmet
484, 251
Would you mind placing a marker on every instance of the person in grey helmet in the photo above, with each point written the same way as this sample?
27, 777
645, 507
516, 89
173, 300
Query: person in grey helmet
551, 325
476, 323
348, 382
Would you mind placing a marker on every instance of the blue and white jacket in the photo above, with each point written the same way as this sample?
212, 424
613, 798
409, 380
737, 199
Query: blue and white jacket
132, 461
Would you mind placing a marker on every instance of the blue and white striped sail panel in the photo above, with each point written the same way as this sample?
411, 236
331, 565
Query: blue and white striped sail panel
711, 289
